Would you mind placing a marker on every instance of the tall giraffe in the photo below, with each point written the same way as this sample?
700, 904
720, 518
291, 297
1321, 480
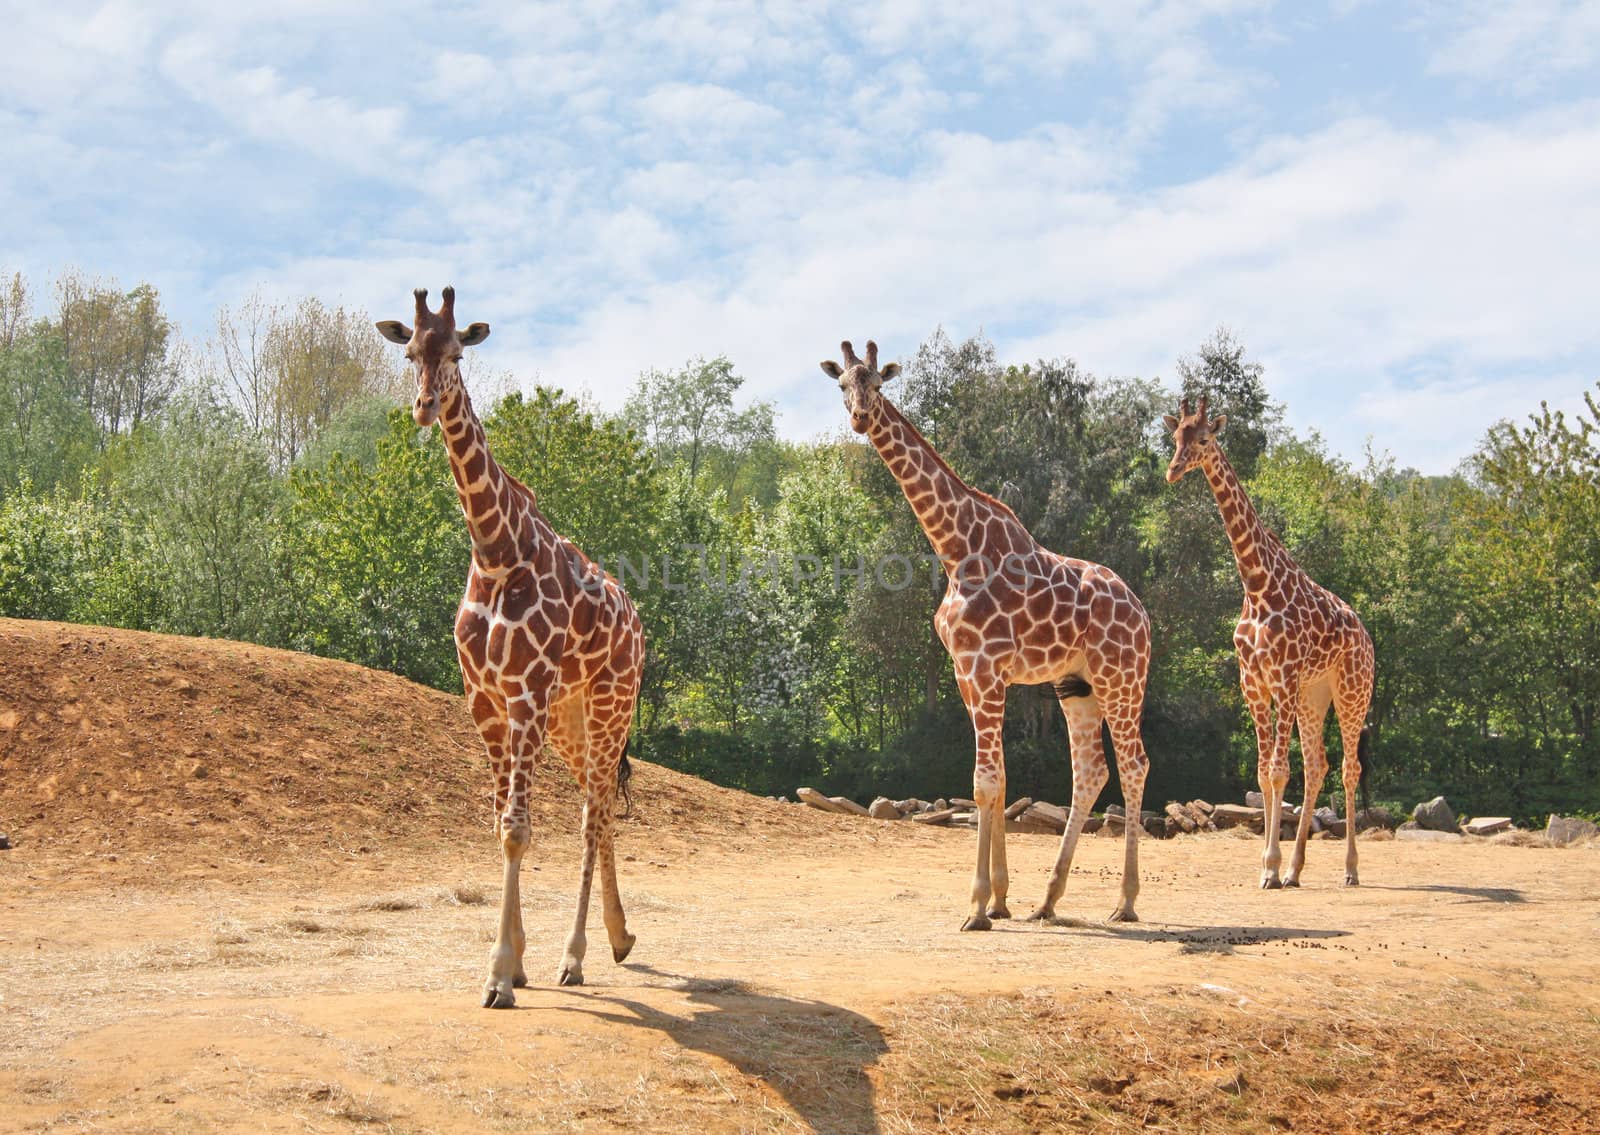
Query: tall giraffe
1016, 612
550, 647
1300, 647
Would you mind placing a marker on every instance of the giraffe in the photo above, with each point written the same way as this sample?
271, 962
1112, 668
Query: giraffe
1300, 648
1016, 612
550, 648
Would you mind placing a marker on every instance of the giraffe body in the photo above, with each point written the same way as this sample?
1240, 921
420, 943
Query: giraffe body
1017, 612
1301, 649
551, 652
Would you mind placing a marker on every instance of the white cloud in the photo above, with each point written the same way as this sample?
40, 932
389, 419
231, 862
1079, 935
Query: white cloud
1523, 45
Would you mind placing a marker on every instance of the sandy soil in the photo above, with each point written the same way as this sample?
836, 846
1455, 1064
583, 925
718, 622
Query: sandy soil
313, 965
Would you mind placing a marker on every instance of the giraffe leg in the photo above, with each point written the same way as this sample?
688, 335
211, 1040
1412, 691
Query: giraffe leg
524, 734
986, 704
1123, 717
616, 919
489, 715
1089, 776
595, 821
1313, 716
1273, 776
1353, 695
999, 876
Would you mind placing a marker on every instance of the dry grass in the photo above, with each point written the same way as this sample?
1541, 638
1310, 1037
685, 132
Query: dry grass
1115, 1063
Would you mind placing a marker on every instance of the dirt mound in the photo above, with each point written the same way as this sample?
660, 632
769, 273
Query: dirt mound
115, 740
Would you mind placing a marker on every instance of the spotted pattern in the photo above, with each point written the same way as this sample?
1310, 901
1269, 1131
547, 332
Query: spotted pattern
1301, 648
551, 652
1016, 612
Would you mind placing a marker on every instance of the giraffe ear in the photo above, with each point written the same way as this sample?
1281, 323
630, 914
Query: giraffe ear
474, 334
831, 368
1172, 422
890, 371
394, 331
1217, 423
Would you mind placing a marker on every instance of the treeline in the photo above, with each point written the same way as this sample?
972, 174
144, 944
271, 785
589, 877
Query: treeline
263, 483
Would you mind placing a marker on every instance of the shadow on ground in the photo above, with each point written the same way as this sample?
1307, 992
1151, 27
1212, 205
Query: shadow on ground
812, 1054
1471, 894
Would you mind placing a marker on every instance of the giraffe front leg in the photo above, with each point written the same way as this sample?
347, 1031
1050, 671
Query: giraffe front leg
999, 875
1314, 760
987, 706
1089, 776
1273, 776
524, 735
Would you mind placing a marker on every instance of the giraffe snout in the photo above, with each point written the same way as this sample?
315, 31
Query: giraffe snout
425, 410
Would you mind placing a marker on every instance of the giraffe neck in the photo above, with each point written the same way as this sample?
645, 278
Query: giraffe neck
1256, 551
933, 490
497, 507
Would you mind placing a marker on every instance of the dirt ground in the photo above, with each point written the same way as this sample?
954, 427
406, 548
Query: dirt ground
253, 891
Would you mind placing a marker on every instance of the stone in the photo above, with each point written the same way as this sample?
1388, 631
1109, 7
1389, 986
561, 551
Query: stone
1254, 800
1333, 828
1487, 825
1200, 806
783, 799
1374, 818
910, 804
883, 809
848, 806
5, 842
1115, 810
1040, 812
1235, 816
1561, 831
1179, 815
816, 799
1093, 824
1409, 826
1427, 835
1019, 806
939, 816
1435, 815
958, 802
969, 818
1156, 825
1326, 816
940, 805
1376, 835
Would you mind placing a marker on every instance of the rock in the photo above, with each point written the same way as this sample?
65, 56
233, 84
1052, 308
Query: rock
1376, 835
1333, 828
1488, 825
1435, 815
958, 802
1019, 806
816, 799
1561, 831
1040, 812
1179, 815
909, 805
1427, 835
1115, 810
1254, 800
883, 809
1093, 824
939, 805
5, 842
939, 816
1409, 826
963, 816
848, 806
1235, 815
1374, 818
783, 799
1200, 806
1157, 825
1326, 816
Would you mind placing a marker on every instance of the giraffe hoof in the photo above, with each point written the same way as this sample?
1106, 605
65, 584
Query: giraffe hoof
1292, 881
520, 981
1123, 914
977, 922
618, 953
1270, 883
999, 911
570, 975
496, 996
1043, 914
1350, 879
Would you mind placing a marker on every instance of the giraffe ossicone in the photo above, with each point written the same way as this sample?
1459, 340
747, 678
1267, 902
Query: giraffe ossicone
550, 659
1016, 612
1301, 648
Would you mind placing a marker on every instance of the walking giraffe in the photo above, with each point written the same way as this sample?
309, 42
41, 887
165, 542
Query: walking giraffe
1300, 647
550, 648
1016, 612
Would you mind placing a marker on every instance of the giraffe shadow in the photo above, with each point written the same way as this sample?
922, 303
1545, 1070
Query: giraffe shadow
1203, 939
1469, 894
812, 1054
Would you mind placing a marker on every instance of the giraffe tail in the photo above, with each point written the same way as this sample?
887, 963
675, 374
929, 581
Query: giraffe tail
1364, 755
1073, 686
624, 775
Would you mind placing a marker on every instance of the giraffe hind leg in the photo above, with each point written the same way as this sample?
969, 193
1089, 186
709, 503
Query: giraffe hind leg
1314, 763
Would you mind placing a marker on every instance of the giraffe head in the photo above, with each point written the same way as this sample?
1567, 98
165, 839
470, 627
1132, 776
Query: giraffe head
434, 348
859, 381
1192, 436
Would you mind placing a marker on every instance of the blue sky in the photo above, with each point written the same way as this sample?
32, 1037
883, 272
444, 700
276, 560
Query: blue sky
1395, 207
